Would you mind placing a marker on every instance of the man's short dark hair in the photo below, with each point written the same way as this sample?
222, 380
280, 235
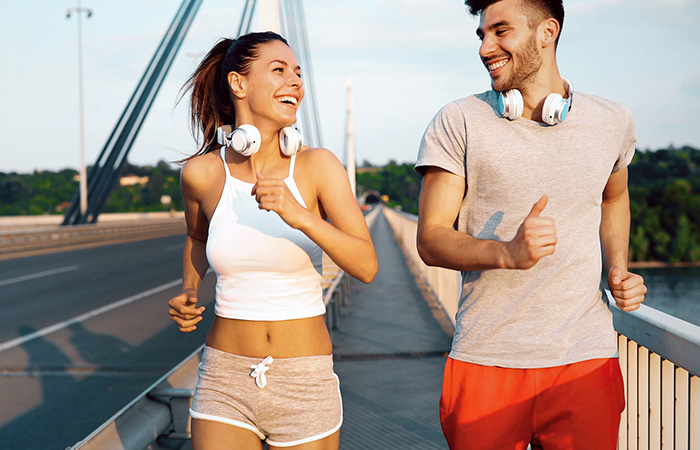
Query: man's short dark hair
535, 10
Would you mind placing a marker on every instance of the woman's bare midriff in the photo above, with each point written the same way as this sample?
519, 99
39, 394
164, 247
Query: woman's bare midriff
279, 339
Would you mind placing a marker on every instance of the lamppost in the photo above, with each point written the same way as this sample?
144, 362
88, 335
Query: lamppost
83, 173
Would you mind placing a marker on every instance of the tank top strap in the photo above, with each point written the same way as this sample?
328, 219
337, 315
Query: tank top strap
223, 158
291, 166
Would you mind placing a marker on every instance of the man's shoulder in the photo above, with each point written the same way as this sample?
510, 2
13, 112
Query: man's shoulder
489, 97
473, 103
599, 104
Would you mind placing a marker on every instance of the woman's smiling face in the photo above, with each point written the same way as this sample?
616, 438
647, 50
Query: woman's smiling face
273, 86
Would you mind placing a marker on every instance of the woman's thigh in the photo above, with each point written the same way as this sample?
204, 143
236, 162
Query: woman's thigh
331, 442
211, 435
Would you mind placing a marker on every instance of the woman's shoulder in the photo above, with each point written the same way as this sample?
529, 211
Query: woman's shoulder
320, 166
316, 157
202, 165
201, 170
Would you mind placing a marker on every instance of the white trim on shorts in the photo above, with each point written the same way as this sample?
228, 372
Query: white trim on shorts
318, 436
235, 423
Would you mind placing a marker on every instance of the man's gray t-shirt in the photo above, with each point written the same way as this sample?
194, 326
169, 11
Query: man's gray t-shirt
553, 313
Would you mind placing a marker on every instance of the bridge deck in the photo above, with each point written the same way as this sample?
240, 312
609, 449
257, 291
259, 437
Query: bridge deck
390, 348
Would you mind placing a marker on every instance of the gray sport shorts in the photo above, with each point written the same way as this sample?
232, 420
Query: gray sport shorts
287, 401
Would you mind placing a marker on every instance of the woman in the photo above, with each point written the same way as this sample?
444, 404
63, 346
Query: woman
262, 221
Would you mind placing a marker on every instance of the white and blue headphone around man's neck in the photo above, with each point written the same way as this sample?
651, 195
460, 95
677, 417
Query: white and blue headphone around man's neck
246, 139
554, 110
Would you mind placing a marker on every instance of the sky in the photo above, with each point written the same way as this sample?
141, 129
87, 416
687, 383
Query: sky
406, 59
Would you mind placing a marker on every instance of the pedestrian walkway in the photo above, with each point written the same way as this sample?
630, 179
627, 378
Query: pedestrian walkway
390, 350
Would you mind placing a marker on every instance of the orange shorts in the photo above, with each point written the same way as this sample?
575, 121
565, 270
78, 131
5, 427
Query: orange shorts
576, 406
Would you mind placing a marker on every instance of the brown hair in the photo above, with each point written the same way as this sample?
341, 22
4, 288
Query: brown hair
536, 10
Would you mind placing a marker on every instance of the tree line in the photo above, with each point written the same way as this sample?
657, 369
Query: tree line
47, 192
664, 197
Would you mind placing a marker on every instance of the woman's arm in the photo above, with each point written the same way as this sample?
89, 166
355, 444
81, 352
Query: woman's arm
183, 307
345, 237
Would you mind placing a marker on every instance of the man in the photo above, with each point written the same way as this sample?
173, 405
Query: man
522, 200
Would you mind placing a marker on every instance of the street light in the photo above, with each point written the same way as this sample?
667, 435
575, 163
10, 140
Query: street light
83, 173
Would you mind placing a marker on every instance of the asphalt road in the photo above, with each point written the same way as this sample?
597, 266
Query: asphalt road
84, 332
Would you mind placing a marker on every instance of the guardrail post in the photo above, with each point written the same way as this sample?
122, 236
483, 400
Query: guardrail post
179, 401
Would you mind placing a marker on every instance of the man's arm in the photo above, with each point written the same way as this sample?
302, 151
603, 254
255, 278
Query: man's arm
627, 288
439, 244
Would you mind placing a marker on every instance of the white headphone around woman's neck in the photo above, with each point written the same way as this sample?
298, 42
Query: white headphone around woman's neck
246, 139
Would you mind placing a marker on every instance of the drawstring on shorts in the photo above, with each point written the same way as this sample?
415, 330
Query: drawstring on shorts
258, 371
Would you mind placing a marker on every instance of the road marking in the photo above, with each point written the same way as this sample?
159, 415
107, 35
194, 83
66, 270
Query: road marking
66, 323
33, 276
174, 247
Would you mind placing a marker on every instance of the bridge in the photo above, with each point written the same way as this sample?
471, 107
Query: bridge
90, 360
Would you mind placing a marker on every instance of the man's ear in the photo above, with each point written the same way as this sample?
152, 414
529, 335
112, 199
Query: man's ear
549, 30
237, 84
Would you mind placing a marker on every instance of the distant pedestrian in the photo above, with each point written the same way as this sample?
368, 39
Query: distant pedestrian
261, 208
523, 186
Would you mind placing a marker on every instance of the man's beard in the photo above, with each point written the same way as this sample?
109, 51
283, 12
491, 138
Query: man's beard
526, 63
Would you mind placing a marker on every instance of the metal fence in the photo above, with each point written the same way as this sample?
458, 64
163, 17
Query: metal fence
33, 236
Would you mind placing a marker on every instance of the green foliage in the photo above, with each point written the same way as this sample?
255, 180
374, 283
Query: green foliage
665, 205
48, 192
399, 182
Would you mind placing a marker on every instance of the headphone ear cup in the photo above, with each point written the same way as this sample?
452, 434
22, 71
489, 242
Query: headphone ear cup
555, 109
510, 104
246, 140
291, 140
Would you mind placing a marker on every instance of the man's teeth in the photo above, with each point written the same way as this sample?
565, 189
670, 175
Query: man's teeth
286, 99
497, 65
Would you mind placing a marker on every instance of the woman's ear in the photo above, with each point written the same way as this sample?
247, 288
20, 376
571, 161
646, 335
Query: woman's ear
549, 31
237, 84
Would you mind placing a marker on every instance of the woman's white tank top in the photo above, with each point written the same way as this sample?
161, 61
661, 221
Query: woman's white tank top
265, 269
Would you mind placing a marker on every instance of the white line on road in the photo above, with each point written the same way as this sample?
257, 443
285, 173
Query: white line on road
33, 276
96, 312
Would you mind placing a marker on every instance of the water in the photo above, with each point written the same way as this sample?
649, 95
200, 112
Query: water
675, 291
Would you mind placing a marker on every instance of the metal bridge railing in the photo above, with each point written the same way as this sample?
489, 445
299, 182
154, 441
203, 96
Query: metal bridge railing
161, 411
27, 240
659, 358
